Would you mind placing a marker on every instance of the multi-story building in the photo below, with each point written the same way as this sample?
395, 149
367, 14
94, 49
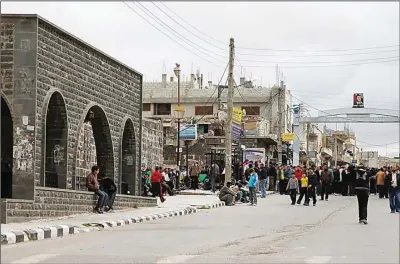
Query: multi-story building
369, 158
201, 104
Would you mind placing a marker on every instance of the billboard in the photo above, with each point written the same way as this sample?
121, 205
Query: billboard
188, 132
254, 154
296, 115
358, 100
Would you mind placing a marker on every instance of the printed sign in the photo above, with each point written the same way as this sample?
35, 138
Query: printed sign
254, 154
236, 123
188, 132
296, 115
358, 100
288, 137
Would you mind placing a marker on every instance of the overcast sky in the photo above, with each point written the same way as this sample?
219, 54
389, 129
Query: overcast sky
304, 38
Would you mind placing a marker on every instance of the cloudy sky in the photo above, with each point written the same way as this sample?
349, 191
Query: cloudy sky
326, 51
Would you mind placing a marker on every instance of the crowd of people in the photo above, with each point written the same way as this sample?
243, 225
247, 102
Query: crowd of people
298, 182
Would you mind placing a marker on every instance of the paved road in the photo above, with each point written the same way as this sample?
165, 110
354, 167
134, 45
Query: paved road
272, 232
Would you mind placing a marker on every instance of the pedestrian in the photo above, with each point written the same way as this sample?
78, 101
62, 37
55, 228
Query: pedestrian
326, 180
394, 192
292, 188
312, 185
362, 191
194, 176
299, 173
214, 171
380, 183
303, 188
156, 187
272, 177
227, 195
263, 181
281, 183
388, 180
252, 184
108, 186
92, 184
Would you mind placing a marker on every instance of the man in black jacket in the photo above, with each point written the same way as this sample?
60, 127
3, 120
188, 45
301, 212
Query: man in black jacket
272, 174
361, 184
312, 183
108, 186
263, 176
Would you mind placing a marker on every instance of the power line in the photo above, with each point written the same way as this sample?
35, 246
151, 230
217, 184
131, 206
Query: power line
169, 36
191, 32
265, 49
318, 55
317, 62
322, 66
173, 31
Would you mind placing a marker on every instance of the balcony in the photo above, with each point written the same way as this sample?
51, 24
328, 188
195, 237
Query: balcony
350, 142
326, 152
259, 130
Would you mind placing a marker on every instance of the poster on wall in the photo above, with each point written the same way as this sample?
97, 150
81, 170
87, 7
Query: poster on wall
358, 100
254, 154
296, 115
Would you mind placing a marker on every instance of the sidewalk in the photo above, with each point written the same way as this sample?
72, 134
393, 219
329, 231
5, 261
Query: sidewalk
203, 192
51, 228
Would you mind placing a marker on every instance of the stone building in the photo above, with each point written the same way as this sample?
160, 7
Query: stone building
66, 106
201, 105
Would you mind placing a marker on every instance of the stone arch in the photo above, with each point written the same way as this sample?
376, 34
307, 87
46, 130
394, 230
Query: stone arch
128, 158
94, 145
6, 148
55, 141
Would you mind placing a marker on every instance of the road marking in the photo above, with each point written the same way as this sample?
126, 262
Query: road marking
34, 259
318, 259
176, 259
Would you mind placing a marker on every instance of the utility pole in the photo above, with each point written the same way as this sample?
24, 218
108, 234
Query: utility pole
336, 148
228, 130
307, 144
281, 108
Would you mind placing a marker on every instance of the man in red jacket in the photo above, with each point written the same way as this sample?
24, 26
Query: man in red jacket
155, 181
298, 173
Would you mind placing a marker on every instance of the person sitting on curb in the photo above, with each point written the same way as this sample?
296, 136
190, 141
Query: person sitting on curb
227, 195
92, 184
108, 186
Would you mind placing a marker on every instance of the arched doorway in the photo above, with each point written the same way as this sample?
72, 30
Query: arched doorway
56, 138
94, 147
6, 150
128, 159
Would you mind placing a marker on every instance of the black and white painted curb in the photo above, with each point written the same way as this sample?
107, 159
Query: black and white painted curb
210, 206
41, 233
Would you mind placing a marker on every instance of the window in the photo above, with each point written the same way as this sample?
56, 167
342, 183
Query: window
162, 109
146, 107
251, 110
203, 110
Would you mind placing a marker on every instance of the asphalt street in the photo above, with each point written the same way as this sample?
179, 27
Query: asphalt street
272, 232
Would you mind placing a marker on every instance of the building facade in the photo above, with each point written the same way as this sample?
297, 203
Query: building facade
67, 106
202, 103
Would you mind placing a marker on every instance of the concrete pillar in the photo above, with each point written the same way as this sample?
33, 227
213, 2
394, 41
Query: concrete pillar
24, 110
242, 80
192, 80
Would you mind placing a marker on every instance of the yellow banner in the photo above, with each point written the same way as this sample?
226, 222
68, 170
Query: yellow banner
288, 137
237, 115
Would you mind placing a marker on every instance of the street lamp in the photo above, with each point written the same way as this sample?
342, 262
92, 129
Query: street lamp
179, 111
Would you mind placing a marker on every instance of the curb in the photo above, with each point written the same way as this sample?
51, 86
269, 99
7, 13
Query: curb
19, 236
188, 193
210, 206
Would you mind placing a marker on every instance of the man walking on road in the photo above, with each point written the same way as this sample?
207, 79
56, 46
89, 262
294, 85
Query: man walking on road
214, 174
194, 176
394, 191
326, 180
263, 181
362, 190
312, 184
380, 183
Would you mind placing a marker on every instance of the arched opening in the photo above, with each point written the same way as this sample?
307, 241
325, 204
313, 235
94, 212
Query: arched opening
56, 138
6, 150
128, 159
94, 147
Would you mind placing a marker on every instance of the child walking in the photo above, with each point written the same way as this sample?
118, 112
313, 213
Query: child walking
303, 188
293, 187
252, 187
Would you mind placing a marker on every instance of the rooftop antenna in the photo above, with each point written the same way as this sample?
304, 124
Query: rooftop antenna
277, 74
164, 70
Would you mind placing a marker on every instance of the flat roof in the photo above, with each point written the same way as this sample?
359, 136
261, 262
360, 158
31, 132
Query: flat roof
71, 36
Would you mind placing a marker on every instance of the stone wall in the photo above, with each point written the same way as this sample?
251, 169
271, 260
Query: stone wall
51, 202
40, 60
152, 143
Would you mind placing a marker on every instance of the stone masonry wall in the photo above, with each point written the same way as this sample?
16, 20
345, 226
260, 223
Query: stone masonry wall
85, 77
152, 143
51, 203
